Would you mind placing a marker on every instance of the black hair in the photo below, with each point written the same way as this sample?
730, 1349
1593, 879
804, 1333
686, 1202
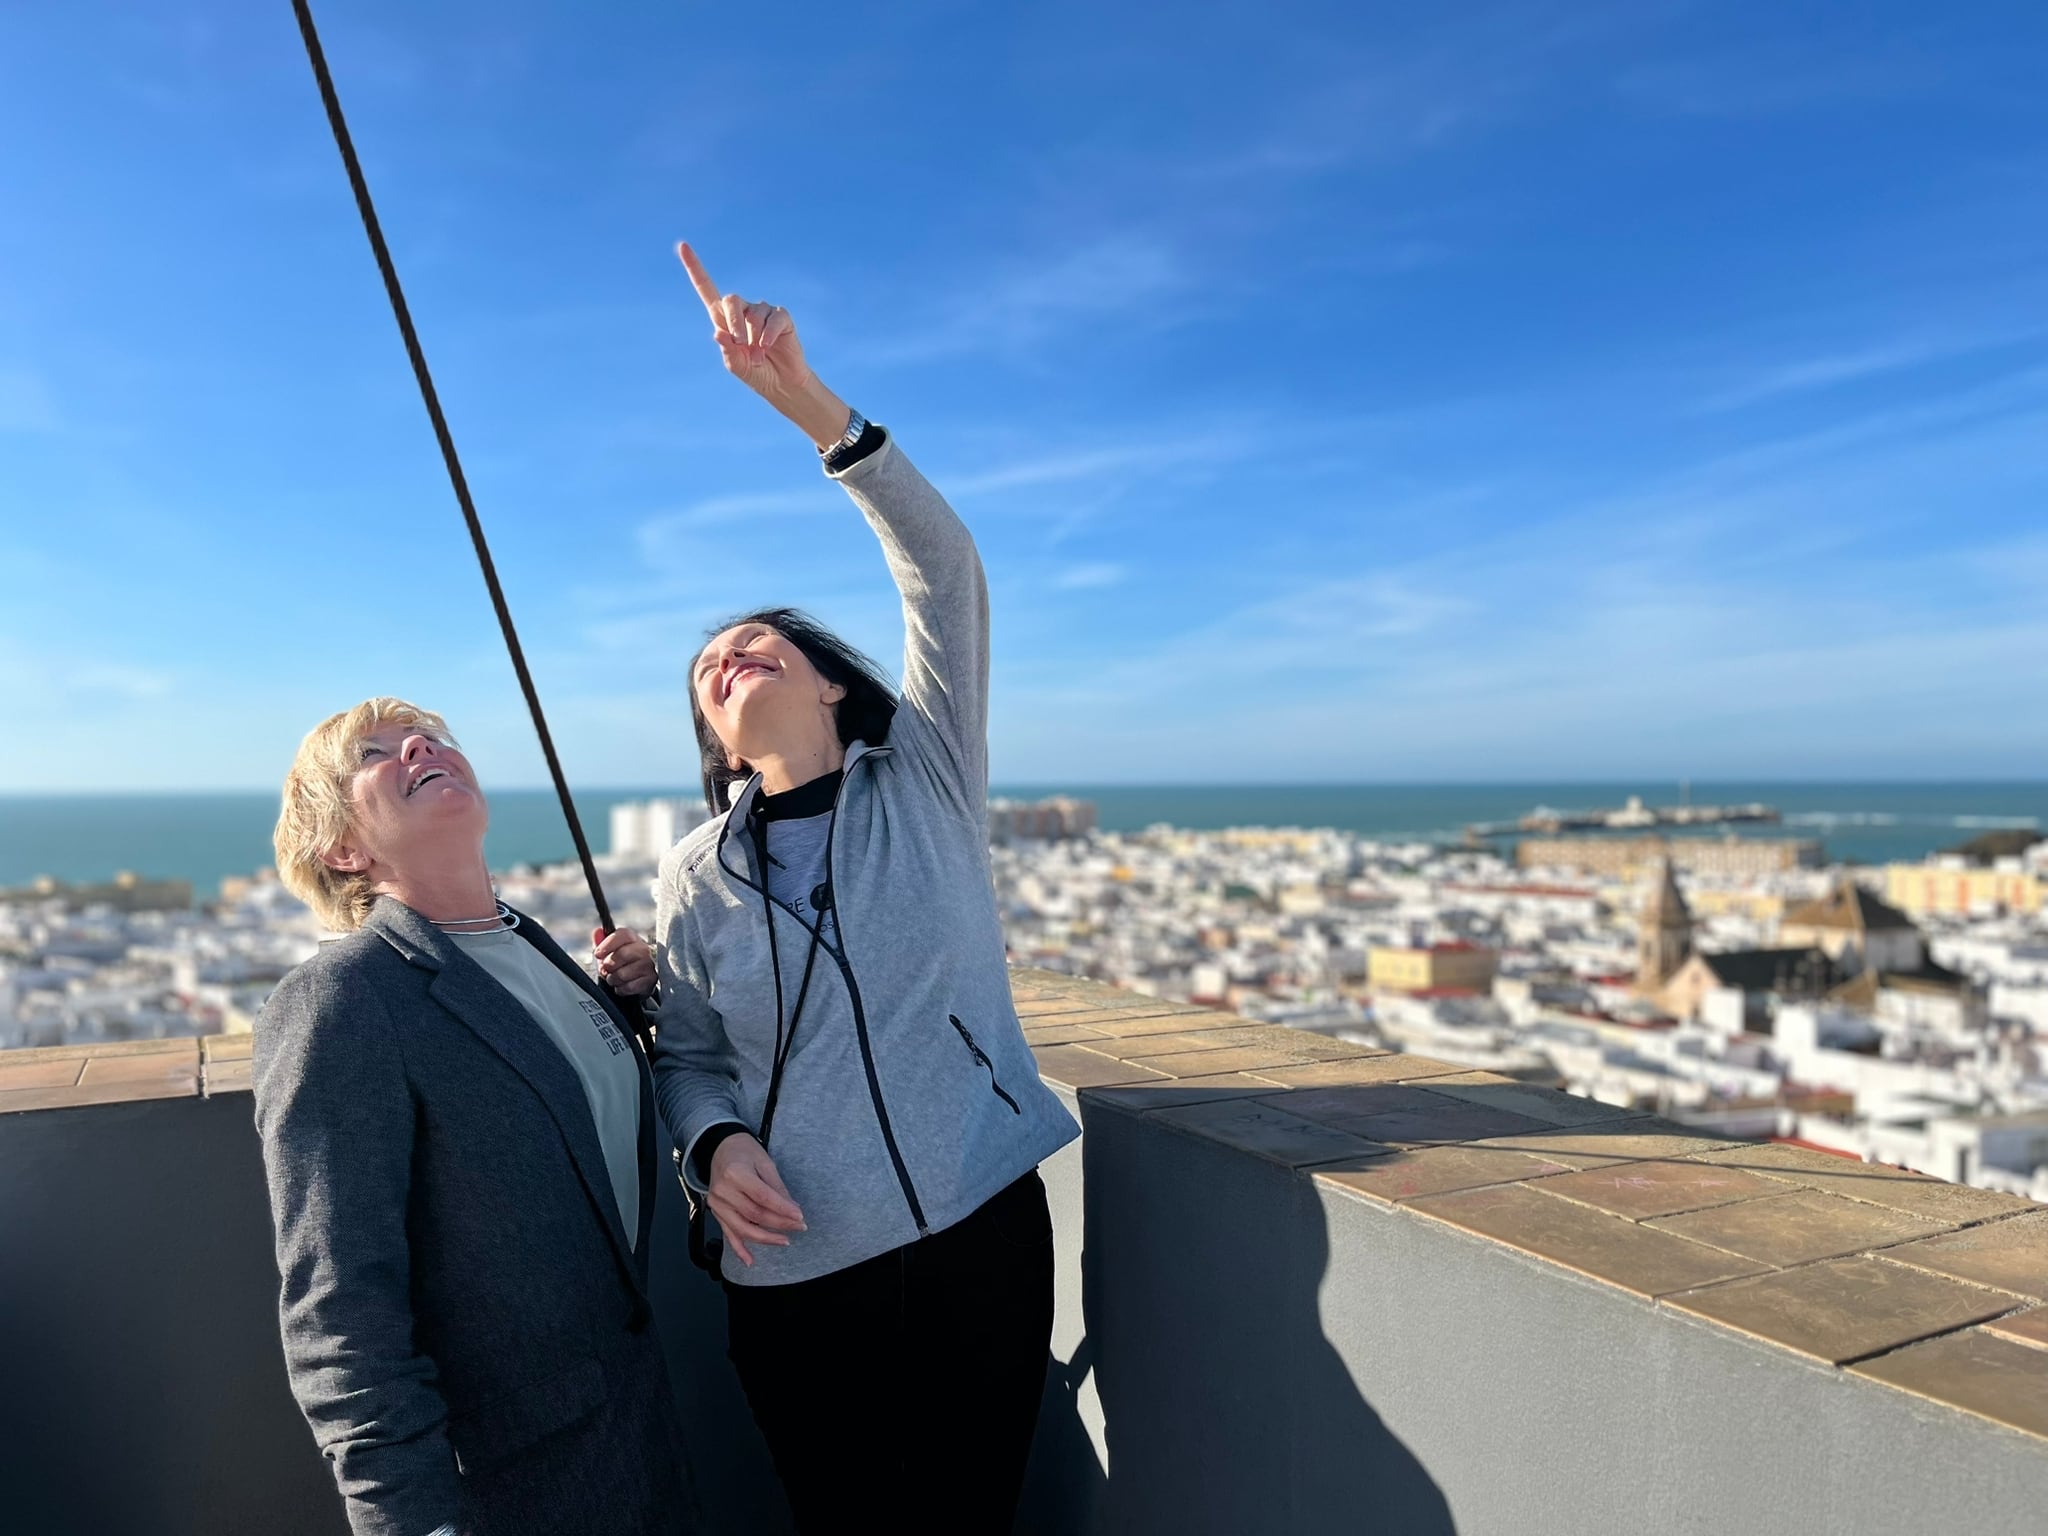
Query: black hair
863, 715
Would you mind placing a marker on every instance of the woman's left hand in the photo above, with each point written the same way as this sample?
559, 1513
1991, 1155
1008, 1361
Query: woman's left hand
624, 962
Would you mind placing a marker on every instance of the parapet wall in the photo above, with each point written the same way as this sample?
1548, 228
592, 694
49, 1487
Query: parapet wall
1318, 1288
1305, 1286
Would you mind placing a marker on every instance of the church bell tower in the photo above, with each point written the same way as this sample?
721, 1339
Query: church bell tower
1663, 932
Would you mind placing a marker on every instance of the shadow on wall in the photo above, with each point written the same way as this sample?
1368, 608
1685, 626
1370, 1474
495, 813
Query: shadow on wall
736, 1485
142, 1382
1224, 1406
1065, 1483
144, 1385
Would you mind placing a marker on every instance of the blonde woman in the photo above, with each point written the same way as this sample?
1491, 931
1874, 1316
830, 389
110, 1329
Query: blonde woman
460, 1140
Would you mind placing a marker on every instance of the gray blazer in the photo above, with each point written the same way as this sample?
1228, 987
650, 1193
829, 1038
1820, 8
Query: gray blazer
466, 1324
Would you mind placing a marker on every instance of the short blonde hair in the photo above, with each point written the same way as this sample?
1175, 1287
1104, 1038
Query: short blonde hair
316, 813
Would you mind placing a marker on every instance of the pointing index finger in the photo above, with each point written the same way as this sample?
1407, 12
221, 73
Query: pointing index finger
701, 281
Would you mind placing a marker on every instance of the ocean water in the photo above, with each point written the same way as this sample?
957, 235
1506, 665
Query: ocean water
204, 837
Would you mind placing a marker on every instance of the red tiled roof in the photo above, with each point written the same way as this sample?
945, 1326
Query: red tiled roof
1813, 1146
1524, 890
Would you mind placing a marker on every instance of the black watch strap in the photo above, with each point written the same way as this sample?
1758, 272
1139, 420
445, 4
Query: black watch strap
850, 451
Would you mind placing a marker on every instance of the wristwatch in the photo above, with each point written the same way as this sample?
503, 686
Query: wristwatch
855, 425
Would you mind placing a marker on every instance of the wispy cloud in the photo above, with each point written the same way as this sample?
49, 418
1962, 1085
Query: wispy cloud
116, 680
734, 523
1640, 667
1823, 373
1853, 364
1119, 279
1473, 71
1768, 78
1076, 578
1109, 463
1719, 617
747, 506
33, 682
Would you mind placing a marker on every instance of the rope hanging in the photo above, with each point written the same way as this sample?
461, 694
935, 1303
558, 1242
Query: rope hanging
317, 57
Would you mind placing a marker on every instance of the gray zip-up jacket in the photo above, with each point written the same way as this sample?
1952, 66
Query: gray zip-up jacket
909, 1096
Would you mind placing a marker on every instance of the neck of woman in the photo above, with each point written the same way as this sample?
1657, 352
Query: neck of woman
783, 771
456, 891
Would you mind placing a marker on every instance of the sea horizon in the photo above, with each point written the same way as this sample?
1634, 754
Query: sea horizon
204, 836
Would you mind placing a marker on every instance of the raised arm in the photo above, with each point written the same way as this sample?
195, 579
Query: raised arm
943, 720
931, 555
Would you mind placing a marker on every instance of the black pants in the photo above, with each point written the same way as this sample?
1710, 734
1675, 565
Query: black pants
901, 1394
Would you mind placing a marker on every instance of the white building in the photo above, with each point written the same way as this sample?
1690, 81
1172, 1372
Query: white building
647, 829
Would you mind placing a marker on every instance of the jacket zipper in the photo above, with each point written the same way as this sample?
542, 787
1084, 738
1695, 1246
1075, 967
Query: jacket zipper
860, 1030
982, 1056
860, 1019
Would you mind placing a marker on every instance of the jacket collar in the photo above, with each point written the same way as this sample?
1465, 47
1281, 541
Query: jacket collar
474, 996
743, 798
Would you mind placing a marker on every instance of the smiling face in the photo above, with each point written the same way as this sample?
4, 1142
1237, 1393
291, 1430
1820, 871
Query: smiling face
412, 797
760, 694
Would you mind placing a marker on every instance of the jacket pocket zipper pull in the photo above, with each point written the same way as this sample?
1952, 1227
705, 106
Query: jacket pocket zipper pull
982, 1056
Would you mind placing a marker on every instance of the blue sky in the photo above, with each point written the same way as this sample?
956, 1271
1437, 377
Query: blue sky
1338, 392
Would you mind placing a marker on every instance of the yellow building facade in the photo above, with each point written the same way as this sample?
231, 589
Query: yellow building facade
1925, 888
1466, 967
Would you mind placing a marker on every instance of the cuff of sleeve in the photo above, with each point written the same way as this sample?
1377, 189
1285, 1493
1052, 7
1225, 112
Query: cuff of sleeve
860, 451
697, 1156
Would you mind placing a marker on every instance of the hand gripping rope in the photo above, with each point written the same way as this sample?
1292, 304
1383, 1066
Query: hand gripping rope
403, 315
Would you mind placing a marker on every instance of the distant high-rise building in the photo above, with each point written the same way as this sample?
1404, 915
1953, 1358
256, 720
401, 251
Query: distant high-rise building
1039, 820
646, 829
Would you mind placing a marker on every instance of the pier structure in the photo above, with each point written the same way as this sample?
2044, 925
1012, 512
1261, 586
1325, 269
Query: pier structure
1632, 816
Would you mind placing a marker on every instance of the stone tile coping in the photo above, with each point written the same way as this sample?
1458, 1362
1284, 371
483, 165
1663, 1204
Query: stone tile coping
1846, 1310
1978, 1369
2028, 1327
1930, 1288
116, 1072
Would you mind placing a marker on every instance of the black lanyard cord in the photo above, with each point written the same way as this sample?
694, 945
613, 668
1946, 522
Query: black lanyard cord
400, 312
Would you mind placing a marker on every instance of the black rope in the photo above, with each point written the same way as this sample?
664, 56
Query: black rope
317, 56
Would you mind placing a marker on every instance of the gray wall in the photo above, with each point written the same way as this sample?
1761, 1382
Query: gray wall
1211, 1388
142, 1387
1245, 1352
143, 1391
1271, 1355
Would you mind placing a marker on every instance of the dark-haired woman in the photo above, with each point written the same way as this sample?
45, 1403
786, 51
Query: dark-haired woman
839, 1058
